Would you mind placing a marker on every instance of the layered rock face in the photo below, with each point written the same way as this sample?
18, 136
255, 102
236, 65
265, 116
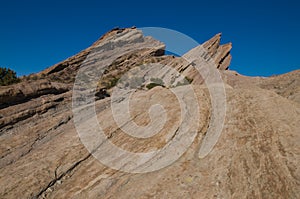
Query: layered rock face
256, 156
220, 53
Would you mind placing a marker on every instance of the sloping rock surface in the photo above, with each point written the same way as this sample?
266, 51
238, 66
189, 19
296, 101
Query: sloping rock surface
256, 156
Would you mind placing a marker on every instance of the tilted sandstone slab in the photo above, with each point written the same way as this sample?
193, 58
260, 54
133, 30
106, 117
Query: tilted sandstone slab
256, 156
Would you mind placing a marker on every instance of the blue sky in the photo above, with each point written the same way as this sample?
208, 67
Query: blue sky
37, 34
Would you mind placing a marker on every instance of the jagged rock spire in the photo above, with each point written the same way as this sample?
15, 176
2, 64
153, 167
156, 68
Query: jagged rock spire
220, 53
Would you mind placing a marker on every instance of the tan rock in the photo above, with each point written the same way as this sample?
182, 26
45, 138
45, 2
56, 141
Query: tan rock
256, 156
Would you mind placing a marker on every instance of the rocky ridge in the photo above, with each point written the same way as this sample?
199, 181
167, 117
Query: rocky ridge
257, 155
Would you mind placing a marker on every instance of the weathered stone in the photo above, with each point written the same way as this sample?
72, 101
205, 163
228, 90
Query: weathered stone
256, 156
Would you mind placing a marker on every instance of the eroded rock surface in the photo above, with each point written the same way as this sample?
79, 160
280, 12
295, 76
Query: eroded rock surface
256, 156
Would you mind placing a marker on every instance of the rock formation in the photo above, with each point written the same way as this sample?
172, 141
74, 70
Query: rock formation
256, 156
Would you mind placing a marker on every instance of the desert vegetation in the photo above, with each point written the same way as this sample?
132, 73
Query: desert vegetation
8, 76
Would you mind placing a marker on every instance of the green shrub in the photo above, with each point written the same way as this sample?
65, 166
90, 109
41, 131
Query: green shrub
34, 77
152, 85
185, 81
190, 80
155, 82
113, 82
8, 76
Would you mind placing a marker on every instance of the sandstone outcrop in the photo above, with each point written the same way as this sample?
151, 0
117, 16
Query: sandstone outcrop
256, 156
220, 53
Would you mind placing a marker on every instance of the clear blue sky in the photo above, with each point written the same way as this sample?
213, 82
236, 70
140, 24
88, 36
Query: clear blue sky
37, 34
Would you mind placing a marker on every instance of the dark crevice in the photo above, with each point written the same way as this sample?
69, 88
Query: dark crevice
158, 53
26, 116
216, 41
223, 59
57, 178
184, 68
59, 99
21, 98
37, 139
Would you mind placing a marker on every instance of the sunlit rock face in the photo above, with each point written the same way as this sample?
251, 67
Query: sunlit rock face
256, 155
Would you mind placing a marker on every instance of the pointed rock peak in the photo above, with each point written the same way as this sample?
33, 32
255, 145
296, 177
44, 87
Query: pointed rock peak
132, 36
214, 41
219, 53
112, 32
227, 45
217, 36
